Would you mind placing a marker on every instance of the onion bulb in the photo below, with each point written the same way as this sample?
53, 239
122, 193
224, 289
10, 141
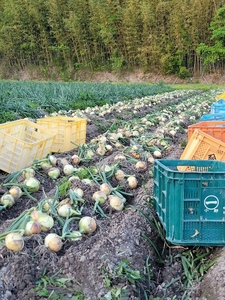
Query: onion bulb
68, 169
7, 200
44, 219
53, 242
78, 192
54, 172
16, 192
66, 209
75, 159
45, 165
32, 184
119, 156
14, 241
105, 187
52, 159
132, 182
28, 172
157, 154
99, 197
32, 227
141, 166
119, 175
87, 225
116, 203
100, 151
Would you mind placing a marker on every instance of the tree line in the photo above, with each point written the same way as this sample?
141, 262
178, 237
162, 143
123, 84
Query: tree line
170, 36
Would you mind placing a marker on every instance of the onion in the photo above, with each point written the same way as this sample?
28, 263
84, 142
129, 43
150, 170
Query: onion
45, 165
32, 227
105, 187
100, 151
28, 172
68, 169
44, 219
54, 173
14, 241
116, 203
88, 181
89, 154
66, 209
78, 192
119, 175
32, 184
52, 159
16, 192
108, 148
119, 156
132, 182
87, 225
75, 159
73, 177
157, 154
47, 203
141, 166
99, 197
7, 200
53, 242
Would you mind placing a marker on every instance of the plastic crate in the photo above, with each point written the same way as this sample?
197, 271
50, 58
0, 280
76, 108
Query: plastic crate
213, 117
220, 96
214, 128
203, 146
218, 107
70, 132
22, 142
191, 205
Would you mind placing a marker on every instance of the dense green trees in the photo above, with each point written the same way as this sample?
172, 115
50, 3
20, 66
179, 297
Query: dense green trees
170, 36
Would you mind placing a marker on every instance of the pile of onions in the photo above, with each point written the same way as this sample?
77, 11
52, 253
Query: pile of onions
14, 241
87, 225
53, 242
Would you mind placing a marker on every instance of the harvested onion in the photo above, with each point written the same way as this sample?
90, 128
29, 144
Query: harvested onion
32, 184
32, 227
7, 200
44, 219
53, 242
87, 225
116, 203
75, 159
66, 209
28, 172
14, 241
132, 182
54, 172
68, 169
105, 187
141, 165
157, 154
119, 175
16, 192
100, 197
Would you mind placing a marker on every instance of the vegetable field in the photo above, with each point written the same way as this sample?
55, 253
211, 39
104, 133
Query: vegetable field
81, 224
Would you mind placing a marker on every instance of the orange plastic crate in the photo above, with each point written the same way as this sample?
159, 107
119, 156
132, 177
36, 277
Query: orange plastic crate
203, 146
70, 132
22, 142
214, 128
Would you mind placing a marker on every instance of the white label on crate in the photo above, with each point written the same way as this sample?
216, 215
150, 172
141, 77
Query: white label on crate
211, 202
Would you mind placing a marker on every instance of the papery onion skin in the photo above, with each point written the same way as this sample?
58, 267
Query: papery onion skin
116, 203
132, 182
28, 172
53, 242
32, 184
14, 241
65, 210
46, 221
87, 225
7, 200
105, 187
16, 192
32, 227
99, 197
119, 175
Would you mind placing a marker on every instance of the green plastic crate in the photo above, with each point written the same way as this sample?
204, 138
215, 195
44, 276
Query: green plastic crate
191, 205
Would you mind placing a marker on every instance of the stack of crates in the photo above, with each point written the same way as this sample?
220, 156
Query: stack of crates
189, 193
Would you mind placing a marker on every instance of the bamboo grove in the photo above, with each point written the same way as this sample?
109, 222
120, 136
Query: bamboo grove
160, 35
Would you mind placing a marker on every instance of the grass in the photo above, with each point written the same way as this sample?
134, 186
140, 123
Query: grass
197, 86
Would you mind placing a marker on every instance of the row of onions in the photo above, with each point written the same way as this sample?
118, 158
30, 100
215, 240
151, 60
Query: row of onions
136, 141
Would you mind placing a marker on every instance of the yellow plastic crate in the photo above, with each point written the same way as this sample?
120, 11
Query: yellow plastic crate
22, 142
203, 146
221, 96
70, 132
